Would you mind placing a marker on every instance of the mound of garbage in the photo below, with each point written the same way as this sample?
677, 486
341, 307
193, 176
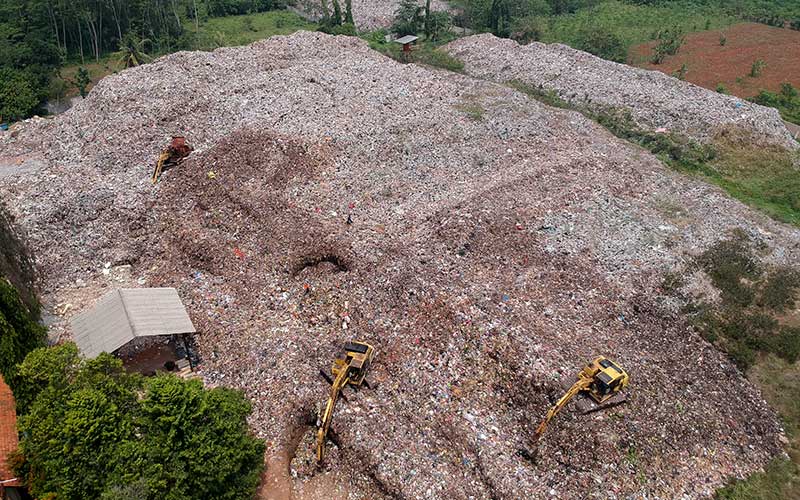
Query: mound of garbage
485, 244
655, 101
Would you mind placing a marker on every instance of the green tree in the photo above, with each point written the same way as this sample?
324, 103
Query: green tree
19, 332
407, 18
196, 443
500, 18
669, 42
348, 12
91, 430
337, 13
131, 50
529, 29
18, 96
427, 19
439, 24
82, 81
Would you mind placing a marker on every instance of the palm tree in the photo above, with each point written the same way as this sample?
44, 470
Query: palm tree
131, 51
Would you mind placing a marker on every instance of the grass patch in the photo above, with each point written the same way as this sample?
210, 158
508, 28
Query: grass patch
546, 96
473, 111
635, 24
763, 177
755, 321
242, 30
787, 102
777, 482
779, 382
424, 52
749, 318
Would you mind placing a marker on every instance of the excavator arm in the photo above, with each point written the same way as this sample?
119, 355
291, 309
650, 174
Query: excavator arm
581, 385
349, 370
341, 380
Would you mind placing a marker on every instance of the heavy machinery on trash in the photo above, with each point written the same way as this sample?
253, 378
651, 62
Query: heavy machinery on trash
350, 370
172, 155
601, 379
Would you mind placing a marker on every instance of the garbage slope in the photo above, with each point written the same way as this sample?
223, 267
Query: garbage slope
655, 101
487, 245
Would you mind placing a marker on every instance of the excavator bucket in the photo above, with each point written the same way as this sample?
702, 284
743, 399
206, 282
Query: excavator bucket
350, 370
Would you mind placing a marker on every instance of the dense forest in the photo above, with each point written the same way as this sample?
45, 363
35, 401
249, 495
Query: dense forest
37, 37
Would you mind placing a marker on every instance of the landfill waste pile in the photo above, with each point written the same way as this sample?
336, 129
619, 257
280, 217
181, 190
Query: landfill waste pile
487, 245
655, 101
367, 14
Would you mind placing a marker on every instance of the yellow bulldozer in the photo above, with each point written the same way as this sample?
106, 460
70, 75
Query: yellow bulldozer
601, 379
350, 370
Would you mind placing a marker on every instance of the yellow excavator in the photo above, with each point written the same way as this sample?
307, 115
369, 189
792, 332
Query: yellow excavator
601, 379
348, 371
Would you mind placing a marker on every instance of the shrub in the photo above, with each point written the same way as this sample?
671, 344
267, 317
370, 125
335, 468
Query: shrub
787, 102
780, 289
669, 42
603, 43
680, 74
788, 92
342, 29
528, 29
757, 68
746, 321
731, 264
722, 89
82, 81
546, 96
786, 344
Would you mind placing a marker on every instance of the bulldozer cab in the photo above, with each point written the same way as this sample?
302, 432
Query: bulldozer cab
607, 379
358, 356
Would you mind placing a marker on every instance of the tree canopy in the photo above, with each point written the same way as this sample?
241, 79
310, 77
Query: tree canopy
19, 332
91, 430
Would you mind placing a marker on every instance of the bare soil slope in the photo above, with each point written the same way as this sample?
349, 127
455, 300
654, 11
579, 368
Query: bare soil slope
336, 194
709, 63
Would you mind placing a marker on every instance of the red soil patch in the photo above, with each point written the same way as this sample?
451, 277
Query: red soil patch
8, 434
710, 63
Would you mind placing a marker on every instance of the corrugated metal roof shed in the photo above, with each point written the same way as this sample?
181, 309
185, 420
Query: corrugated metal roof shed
407, 39
126, 314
